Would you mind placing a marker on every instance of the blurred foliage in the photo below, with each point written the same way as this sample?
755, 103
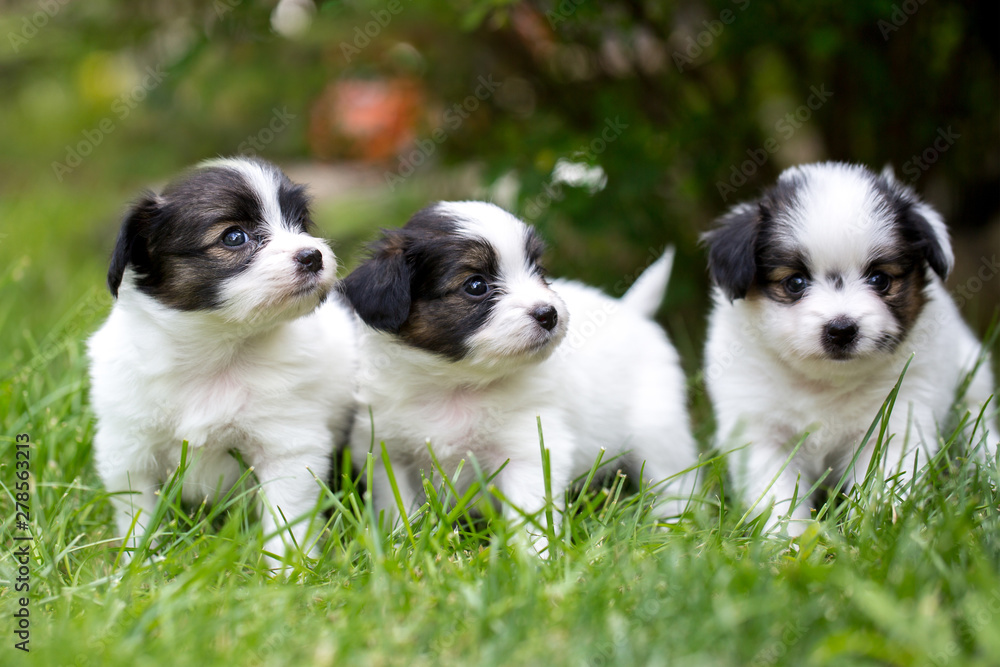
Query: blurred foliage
698, 91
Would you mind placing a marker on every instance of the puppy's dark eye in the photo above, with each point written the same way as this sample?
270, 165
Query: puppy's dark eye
234, 237
879, 281
795, 284
476, 286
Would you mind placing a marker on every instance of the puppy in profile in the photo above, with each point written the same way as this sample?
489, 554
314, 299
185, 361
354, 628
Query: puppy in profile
224, 334
825, 286
467, 342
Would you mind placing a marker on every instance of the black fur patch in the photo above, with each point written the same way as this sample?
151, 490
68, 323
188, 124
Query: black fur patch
731, 261
905, 297
173, 241
915, 231
777, 261
379, 289
413, 284
738, 247
918, 247
534, 248
294, 204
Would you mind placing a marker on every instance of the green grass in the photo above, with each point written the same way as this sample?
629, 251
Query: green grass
880, 580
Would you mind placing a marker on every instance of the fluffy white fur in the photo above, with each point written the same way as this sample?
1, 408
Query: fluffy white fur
770, 378
266, 373
607, 378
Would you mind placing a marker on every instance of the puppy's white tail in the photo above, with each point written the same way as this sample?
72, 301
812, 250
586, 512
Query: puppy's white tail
647, 292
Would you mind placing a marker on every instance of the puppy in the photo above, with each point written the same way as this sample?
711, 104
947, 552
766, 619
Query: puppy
825, 286
467, 342
222, 335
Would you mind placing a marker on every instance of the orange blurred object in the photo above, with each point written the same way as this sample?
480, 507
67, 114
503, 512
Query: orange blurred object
366, 119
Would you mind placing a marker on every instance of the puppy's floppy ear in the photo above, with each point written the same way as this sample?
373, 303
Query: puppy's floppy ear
927, 226
732, 260
379, 289
133, 238
922, 226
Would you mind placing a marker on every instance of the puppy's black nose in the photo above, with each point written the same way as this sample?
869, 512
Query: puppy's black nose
841, 332
311, 259
545, 316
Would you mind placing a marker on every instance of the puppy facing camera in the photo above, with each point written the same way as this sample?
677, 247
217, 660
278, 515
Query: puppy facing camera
225, 333
467, 343
825, 287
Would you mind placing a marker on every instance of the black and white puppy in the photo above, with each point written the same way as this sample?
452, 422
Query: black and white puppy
222, 335
824, 288
467, 342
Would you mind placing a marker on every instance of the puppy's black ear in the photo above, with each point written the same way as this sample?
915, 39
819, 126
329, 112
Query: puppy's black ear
925, 229
379, 289
922, 227
132, 244
732, 260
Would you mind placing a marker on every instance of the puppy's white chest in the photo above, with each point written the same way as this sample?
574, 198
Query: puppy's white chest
458, 421
211, 410
835, 421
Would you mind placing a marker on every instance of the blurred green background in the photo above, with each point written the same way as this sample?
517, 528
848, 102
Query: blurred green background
616, 127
